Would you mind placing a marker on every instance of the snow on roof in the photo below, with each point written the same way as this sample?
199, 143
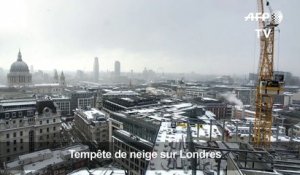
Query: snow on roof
204, 130
127, 99
46, 84
35, 154
121, 93
173, 172
209, 99
277, 110
166, 100
76, 148
36, 161
165, 136
107, 171
36, 166
18, 103
182, 105
98, 171
93, 113
250, 112
171, 137
156, 117
210, 115
81, 91
84, 171
60, 97
128, 134
145, 110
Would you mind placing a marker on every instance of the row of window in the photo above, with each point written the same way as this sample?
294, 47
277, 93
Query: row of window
14, 142
54, 129
15, 149
21, 147
21, 121
20, 114
14, 122
41, 122
21, 132
64, 106
47, 136
14, 134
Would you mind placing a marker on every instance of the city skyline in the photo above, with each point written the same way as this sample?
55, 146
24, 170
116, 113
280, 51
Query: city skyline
149, 87
180, 36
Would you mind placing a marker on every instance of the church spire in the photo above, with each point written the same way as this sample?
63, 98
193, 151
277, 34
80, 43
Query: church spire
19, 56
62, 81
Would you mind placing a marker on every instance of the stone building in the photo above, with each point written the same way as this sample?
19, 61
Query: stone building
19, 74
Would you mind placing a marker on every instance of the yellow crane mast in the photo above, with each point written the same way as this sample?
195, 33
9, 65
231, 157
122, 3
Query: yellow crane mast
268, 83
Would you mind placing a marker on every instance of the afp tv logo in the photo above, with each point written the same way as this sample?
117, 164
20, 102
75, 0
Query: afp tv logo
274, 19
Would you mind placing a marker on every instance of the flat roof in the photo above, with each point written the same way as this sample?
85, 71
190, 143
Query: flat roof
46, 84
99, 171
48, 158
93, 113
121, 93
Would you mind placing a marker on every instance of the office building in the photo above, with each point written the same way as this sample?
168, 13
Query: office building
126, 142
96, 70
217, 107
117, 68
94, 125
81, 99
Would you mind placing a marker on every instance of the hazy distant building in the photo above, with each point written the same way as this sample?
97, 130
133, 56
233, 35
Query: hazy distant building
41, 77
253, 77
80, 75
19, 74
47, 88
31, 69
96, 69
56, 79
62, 79
117, 68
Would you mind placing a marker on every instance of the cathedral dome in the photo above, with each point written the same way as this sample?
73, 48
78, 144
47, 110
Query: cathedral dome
19, 65
19, 74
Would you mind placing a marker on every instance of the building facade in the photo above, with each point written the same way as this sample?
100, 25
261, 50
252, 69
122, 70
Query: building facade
94, 126
27, 125
81, 99
217, 107
126, 142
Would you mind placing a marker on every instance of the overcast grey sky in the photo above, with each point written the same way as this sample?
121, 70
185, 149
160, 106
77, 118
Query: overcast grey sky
203, 36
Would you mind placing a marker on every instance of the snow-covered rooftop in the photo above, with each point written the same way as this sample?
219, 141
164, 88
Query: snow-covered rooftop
127, 93
174, 139
46, 85
93, 113
98, 171
39, 160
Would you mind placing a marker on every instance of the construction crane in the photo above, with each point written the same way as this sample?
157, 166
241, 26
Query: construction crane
269, 84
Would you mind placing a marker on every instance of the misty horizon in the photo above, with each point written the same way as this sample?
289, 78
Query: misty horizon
207, 37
